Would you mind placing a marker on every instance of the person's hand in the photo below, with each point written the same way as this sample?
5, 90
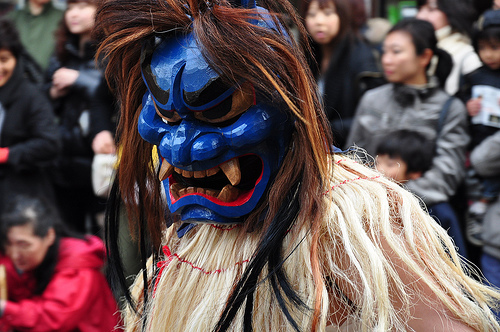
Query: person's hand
474, 106
56, 93
62, 80
104, 143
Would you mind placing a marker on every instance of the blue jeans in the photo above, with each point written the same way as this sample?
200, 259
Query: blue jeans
491, 187
445, 216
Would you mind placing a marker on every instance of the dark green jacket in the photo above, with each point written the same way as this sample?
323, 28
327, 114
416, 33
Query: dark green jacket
37, 32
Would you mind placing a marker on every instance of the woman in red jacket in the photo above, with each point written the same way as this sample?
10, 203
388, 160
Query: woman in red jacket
54, 282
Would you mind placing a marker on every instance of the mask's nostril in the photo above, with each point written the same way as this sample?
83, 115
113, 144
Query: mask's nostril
208, 146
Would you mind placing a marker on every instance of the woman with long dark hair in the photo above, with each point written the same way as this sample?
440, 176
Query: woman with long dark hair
74, 80
261, 226
343, 63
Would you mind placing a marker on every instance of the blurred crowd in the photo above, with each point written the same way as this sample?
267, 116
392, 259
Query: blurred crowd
58, 120
419, 100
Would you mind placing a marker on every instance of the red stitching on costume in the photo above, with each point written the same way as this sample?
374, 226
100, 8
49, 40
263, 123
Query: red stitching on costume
342, 160
349, 181
223, 228
162, 265
181, 260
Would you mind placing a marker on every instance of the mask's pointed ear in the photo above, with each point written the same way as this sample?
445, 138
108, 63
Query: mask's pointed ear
148, 47
250, 4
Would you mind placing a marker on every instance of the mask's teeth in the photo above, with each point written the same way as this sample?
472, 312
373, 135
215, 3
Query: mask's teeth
175, 188
228, 194
232, 170
200, 174
166, 170
190, 190
212, 171
182, 192
211, 192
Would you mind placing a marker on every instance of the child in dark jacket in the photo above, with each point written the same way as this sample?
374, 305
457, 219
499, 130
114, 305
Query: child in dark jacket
405, 155
482, 97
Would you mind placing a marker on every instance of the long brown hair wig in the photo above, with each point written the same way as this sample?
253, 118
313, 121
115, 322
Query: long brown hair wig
236, 49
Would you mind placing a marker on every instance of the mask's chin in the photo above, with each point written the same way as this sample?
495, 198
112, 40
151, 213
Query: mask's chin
221, 194
200, 214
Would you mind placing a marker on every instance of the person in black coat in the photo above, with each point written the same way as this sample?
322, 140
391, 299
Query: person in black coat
29, 141
74, 80
343, 63
104, 115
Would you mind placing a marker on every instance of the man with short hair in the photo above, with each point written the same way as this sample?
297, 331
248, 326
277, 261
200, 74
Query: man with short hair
37, 23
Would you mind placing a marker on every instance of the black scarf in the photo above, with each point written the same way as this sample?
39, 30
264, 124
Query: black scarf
405, 95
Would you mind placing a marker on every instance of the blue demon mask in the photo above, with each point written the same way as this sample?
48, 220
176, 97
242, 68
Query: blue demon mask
220, 146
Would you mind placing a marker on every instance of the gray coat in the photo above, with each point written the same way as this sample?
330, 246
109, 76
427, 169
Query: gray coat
485, 159
396, 107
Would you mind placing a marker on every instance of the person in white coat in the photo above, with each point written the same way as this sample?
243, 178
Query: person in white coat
452, 21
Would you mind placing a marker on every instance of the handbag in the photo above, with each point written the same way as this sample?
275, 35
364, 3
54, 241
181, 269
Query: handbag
103, 172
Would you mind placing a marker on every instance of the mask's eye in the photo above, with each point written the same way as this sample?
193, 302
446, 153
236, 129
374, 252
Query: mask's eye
231, 108
169, 117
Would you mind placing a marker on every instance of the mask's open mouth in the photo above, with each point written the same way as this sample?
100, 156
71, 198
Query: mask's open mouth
230, 182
